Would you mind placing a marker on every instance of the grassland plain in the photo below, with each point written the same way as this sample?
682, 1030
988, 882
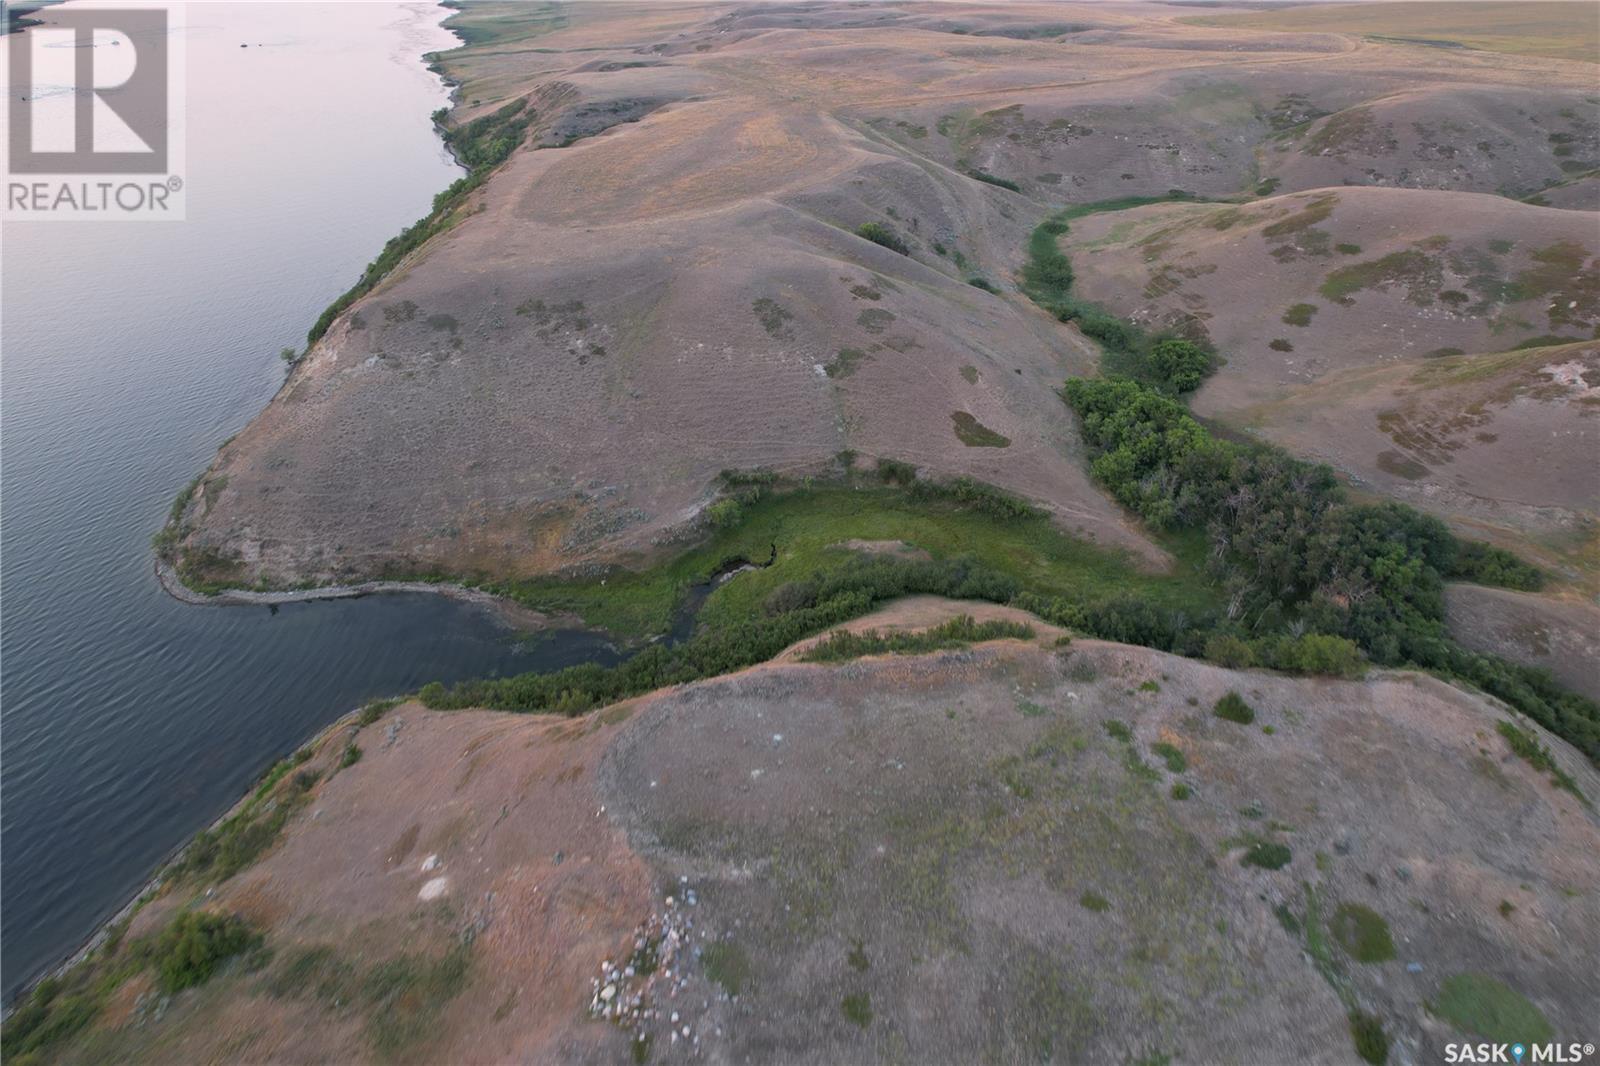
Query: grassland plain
1541, 28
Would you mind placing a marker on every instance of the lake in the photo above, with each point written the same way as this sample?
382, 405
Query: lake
130, 352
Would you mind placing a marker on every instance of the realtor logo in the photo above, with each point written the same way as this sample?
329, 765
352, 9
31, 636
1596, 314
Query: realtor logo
94, 94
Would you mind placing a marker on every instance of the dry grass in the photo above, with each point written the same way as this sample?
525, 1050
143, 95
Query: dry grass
1557, 30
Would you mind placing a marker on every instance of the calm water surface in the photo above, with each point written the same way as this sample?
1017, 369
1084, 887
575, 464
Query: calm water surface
129, 352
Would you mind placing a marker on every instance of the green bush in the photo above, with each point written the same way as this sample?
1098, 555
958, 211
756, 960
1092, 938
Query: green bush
857, 1008
1233, 708
1227, 650
896, 472
1181, 364
1267, 855
990, 179
724, 514
1317, 653
189, 950
1171, 755
1484, 564
1372, 1043
878, 233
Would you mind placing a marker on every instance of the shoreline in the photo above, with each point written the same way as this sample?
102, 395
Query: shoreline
506, 611
98, 937
509, 611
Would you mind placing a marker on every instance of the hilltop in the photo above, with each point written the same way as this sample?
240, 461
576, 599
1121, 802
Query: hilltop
1017, 848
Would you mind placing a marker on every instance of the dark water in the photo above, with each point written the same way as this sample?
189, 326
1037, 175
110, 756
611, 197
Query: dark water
130, 352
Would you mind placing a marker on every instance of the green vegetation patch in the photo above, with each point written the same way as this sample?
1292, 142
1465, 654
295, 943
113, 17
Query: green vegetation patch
845, 363
1268, 855
1299, 315
1362, 932
773, 316
857, 1009
990, 179
189, 951
1126, 349
1526, 746
218, 853
975, 434
1367, 1033
1486, 1006
1313, 211
986, 545
958, 632
1233, 708
880, 234
1171, 755
194, 944
1422, 275
1282, 532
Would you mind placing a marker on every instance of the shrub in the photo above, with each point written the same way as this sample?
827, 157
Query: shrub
351, 756
1233, 708
724, 514
896, 472
990, 179
375, 710
982, 283
1180, 364
1372, 1043
1171, 755
189, 950
1131, 621
1299, 315
1267, 855
1227, 650
878, 233
1318, 653
857, 1009
1484, 564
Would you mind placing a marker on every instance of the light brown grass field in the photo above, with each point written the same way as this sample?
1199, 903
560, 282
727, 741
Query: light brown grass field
1559, 29
558, 378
